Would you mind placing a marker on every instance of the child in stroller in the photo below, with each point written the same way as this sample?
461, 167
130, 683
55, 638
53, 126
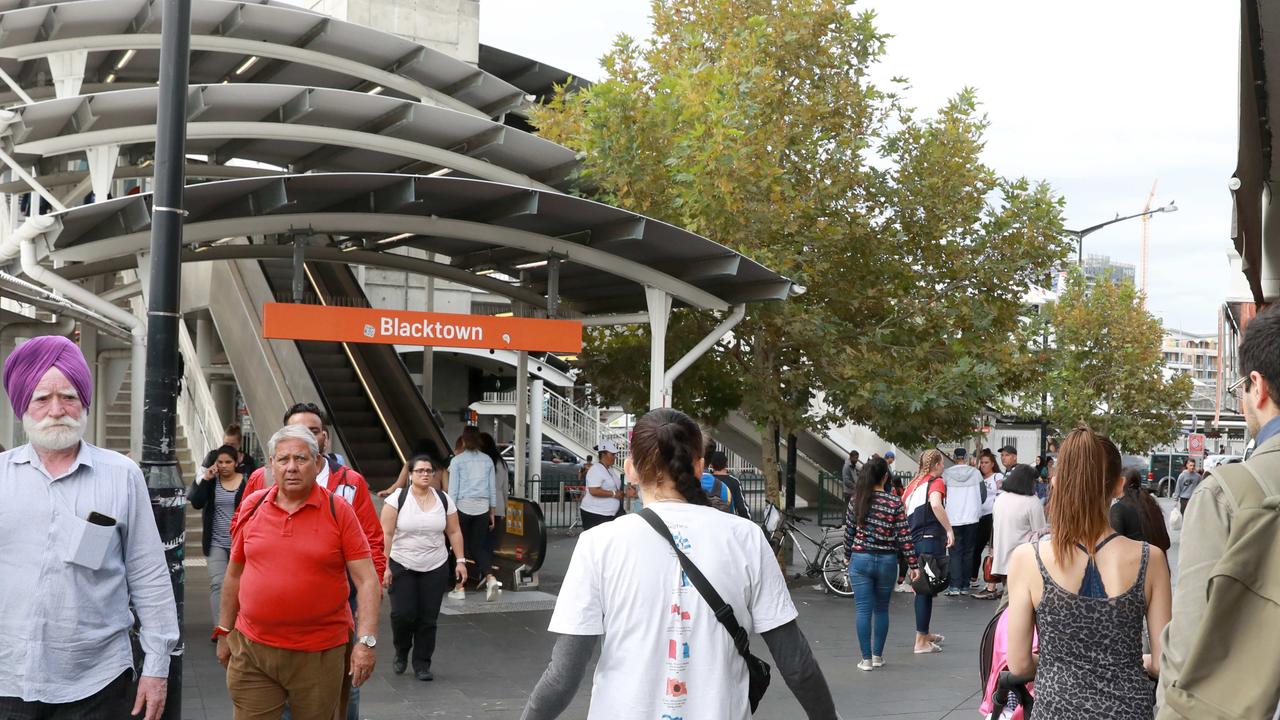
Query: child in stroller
1005, 696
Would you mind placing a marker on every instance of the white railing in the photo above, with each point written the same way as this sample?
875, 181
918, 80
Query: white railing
577, 423
195, 410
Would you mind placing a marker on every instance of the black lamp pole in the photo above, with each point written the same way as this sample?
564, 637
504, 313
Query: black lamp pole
1080, 235
163, 373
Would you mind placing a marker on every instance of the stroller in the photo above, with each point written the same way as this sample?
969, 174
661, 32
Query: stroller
999, 685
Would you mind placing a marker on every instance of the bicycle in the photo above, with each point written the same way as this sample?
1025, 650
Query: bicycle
828, 561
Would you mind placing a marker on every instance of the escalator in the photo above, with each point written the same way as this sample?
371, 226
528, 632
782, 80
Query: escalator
374, 407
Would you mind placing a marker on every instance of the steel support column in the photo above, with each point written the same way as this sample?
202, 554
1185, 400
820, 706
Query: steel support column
659, 304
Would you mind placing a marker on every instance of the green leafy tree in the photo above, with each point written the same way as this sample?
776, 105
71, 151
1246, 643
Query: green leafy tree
1106, 367
754, 123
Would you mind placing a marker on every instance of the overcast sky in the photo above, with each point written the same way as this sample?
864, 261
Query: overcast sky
1099, 98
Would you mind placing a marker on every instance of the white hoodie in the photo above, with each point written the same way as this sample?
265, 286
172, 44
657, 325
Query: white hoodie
964, 494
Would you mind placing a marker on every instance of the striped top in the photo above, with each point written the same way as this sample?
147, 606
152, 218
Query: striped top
884, 532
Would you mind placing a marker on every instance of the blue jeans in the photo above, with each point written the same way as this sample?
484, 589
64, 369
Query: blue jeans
872, 577
937, 547
962, 555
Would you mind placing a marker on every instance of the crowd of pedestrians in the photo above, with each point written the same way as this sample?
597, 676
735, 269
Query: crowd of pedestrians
299, 559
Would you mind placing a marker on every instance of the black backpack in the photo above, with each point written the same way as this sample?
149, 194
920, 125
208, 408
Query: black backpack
404, 495
715, 499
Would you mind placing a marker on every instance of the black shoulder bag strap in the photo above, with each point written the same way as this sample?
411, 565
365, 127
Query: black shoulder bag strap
757, 670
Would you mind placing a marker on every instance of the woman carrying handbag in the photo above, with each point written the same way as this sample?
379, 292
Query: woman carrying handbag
653, 580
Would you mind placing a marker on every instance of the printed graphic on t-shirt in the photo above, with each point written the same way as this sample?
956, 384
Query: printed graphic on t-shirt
679, 628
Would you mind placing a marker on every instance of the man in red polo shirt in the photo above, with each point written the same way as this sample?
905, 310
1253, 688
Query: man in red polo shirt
285, 621
337, 479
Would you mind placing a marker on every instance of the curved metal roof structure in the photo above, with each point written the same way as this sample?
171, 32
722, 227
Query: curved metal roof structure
248, 41
607, 256
369, 118
532, 76
302, 129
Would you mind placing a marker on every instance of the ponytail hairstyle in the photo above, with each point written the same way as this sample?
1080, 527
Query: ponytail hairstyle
928, 459
1081, 507
874, 472
1114, 464
664, 446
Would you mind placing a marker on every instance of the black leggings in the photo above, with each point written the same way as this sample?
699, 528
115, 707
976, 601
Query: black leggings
475, 537
980, 544
415, 609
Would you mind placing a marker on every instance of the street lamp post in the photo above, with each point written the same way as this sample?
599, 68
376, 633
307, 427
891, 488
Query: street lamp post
1080, 235
162, 379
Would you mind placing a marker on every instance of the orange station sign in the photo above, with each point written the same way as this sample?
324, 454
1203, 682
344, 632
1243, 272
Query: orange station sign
290, 321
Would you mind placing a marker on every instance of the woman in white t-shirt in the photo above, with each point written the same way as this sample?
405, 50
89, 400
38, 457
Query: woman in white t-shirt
414, 529
664, 653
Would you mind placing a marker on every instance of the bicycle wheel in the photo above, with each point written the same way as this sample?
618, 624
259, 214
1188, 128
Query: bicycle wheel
835, 572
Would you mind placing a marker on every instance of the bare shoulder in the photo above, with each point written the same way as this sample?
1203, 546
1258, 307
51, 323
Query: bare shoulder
1023, 556
1157, 558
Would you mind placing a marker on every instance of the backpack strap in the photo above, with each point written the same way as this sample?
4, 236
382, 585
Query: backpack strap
444, 500
255, 507
339, 473
1244, 486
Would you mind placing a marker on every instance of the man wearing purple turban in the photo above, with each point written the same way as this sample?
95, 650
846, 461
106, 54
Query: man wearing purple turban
78, 547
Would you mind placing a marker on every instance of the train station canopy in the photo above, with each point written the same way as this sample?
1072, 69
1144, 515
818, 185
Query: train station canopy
302, 129
603, 258
117, 42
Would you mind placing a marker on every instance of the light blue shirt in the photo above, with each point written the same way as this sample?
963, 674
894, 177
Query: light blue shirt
64, 627
471, 476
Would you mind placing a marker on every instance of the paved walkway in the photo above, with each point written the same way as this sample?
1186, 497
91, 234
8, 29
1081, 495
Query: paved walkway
486, 664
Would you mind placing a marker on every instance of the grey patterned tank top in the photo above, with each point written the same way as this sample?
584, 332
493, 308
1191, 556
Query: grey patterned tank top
1091, 653
224, 508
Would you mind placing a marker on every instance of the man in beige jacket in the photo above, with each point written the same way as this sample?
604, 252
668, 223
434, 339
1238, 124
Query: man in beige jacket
1207, 521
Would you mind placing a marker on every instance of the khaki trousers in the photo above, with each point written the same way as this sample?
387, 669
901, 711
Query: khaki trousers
262, 679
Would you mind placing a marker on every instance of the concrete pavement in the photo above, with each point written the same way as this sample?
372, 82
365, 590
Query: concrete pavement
486, 664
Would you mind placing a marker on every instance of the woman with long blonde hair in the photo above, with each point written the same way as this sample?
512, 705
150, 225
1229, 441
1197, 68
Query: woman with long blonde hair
931, 534
1086, 591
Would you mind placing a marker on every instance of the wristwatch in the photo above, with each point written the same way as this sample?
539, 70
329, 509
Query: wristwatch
368, 640
219, 631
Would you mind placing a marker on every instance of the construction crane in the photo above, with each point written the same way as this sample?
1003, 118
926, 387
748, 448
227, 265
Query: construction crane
1146, 241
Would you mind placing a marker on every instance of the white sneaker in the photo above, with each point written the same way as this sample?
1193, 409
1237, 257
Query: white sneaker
457, 594
492, 588
865, 665
904, 587
877, 661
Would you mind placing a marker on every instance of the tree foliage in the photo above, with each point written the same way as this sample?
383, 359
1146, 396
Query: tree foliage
1106, 367
755, 123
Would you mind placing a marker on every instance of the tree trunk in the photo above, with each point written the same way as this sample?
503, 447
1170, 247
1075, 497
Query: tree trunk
772, 481
769, 460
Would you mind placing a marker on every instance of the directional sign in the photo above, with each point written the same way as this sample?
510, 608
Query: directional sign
1195, 445
289, 321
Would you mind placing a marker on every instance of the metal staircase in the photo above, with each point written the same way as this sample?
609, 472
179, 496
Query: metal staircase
575, 427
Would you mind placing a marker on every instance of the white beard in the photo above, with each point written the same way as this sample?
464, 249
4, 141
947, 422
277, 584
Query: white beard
53, 435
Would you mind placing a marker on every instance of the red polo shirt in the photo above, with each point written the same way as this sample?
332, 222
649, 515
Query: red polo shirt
348, 485
293, 592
